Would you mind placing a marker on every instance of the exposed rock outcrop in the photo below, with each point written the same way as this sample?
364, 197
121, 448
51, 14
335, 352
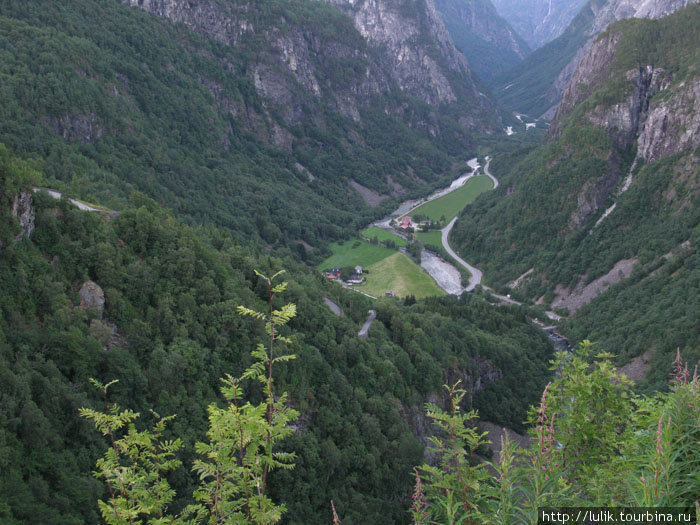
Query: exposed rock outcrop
482, 373
84, 127
659, 126
482, 20
418, 49
584, 294
402, 46
23, 209
606, 13
92, 296
539, 21
671, 125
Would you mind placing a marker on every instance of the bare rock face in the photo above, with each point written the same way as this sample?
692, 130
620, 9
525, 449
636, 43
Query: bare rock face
92, 296
590, 72
402, 45
670, 126
660, 126
483, 20
24, 211
84, 127
539, 21
606, 13
482, 373
411, 32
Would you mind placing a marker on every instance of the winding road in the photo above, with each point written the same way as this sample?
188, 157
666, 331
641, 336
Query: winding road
79, 204
364, 331
476, 275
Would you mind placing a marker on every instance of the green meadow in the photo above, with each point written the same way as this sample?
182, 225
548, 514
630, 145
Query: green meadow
450, 205
431, 238
354, 252
402, 276
382, 236
386, 269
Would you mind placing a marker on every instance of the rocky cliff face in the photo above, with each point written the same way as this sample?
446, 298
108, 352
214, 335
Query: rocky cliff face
24, 211
660, 126
417, 47
397, 45
481, 18
606, 13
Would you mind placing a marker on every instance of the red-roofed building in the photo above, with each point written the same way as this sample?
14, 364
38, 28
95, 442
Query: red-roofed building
405, 223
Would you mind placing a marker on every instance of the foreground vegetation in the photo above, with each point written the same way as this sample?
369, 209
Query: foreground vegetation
169, 331
593, 444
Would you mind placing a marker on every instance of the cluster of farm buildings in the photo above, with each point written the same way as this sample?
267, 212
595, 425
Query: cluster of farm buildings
356, 278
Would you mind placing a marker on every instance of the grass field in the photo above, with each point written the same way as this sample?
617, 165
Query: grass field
383, 235
353, 252
451, 204
402, 276
431, 238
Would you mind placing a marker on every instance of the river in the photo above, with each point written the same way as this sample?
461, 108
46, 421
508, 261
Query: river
445, 274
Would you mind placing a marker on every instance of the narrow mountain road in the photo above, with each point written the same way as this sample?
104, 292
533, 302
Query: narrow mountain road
476, 274
337, 310
489, 174
79, 204
364, 332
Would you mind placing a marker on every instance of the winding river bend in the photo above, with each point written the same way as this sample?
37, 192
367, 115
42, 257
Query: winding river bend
444, 273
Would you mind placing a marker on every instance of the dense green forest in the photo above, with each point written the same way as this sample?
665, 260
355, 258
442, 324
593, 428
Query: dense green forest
207, 187
142, 104
169, 331
538, 218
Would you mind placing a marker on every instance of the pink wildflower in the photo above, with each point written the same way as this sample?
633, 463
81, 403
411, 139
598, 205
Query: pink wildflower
419, 503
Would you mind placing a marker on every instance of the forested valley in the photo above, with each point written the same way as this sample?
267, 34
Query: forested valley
208, 159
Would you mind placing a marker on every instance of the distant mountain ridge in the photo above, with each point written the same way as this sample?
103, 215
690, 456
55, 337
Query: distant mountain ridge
539, 21
535, 86
488, 41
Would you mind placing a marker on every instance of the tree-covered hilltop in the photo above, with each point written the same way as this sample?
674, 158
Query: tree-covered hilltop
168, 330
139, 103
623, 137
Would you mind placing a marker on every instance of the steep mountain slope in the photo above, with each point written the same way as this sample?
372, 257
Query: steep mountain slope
487, 40
412, 49
146, 300
536, 85
539, 21
261, 128
615, 191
